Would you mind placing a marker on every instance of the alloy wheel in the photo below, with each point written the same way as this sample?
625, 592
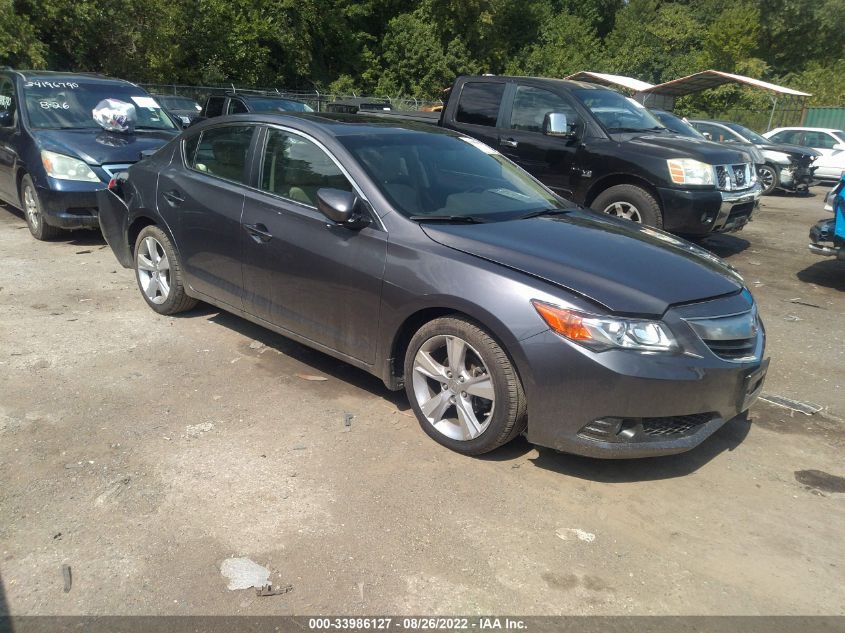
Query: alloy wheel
453, 387
767, 178
31, 208
153, 269
624, 210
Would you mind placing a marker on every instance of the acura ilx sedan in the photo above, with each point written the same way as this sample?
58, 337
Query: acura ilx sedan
428, 259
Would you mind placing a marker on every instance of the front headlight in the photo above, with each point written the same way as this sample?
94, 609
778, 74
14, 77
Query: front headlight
602, 333
64, 167
688, 171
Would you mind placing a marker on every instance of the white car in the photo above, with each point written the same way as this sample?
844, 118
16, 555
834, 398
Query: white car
829, 141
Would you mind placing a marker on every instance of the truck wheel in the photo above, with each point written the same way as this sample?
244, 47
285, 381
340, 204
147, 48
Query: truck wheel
462, 387
159, 272
630, 202
768, 176
31, 205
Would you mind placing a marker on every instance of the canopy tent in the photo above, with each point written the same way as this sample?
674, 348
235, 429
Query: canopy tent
663, 95
605, 79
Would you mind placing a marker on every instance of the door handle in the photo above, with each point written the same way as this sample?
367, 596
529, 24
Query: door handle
258, 232
509, 142
173, 197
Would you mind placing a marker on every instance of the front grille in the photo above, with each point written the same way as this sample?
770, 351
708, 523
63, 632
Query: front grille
111, 170
733, 349
675, 425
733, 177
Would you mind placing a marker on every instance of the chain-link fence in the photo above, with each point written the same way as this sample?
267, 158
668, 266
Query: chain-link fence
314, 98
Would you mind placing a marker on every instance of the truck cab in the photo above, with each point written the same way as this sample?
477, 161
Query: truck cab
601, 149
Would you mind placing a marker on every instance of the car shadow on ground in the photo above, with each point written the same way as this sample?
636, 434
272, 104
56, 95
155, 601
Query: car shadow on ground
829, 273
723, 244
317, 361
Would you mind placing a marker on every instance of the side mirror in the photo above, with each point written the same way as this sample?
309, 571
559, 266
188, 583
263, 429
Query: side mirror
707, 135
839, 147
340, 207
556, 124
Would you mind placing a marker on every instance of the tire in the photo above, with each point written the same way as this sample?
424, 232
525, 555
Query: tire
769, 178
631, 203
465, 422
158, 272
32, 211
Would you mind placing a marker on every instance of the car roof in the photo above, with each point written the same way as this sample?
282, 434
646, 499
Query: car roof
805, 129
247, 97
331, 124
566, 84
54, 75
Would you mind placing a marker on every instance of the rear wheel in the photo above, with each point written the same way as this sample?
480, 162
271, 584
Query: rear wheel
158, 272
768, 178
32, 209
463, 387
630, 202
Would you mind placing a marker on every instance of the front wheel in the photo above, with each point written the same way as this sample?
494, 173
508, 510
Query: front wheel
768, 176
463, 387
158, 272
32, 209
630, 202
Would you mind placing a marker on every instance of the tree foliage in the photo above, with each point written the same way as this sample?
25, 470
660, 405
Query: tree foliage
417, 48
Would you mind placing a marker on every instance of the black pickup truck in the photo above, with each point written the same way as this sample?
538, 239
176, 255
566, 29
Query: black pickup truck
601, 149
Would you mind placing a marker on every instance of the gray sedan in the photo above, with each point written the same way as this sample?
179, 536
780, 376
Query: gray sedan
430, 260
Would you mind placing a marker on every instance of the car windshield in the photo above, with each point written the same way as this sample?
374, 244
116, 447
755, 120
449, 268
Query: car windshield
65, 104
748, 134
618, 113
178, 103
426, 175
271, 104
677, 125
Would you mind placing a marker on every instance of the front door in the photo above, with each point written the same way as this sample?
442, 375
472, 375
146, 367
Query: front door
552, 160
302, 272
203, 202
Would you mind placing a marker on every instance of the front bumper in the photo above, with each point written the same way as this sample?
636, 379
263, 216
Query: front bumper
793, 179
648, 404
824, 241
70, 205
701, 212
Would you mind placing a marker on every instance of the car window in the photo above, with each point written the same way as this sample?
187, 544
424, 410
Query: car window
7, 102
718, 134
296, 168
479, 103
819, 140
214, 106
531, 105
236, 106
220, 151
788, 136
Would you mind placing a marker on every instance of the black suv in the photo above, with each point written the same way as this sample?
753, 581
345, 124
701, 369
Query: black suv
244, 102
53, 154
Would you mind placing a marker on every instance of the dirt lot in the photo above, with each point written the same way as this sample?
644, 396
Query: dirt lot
144, 451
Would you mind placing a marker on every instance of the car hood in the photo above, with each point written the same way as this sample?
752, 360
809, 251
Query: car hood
626, 268
676, 146
99, 147
796, 151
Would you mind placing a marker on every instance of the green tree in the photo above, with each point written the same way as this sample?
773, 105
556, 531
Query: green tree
19, 43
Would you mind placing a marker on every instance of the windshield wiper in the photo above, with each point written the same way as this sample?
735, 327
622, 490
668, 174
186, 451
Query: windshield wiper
453, 219
545, 212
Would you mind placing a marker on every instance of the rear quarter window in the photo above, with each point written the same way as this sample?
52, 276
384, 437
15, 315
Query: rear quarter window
214, 106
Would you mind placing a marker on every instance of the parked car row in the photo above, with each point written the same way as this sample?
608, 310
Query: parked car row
424, 254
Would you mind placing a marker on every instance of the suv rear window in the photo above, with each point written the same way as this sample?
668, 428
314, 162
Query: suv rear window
479, 103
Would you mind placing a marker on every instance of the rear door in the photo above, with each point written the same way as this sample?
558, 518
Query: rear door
477, 111
9, 137
551, 160
204, 199
302, 272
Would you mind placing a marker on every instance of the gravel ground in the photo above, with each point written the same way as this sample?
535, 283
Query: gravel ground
145, 451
